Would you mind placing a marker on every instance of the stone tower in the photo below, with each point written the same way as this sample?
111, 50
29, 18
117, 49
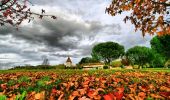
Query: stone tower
68, 62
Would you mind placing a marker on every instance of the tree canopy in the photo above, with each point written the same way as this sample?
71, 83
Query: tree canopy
149, 16
88, 60
14, 12
158, 60
140, 55
161, 45
108, 51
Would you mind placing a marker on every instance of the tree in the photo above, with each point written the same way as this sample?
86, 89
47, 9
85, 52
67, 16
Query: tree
88, 60
14, 12
140, 55
158, 60
161, 44
149, 16
108, 51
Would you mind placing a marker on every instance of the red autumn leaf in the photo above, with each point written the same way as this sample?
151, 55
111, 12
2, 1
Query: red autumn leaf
108, 97
142, 95
156, 96
5, 14
23, 84
75, 93
143, 88
120, 90
54, 90
165, 94
90, 93
3, 86
118, 95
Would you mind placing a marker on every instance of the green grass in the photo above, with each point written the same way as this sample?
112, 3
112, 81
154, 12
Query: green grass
78, 71
156, 69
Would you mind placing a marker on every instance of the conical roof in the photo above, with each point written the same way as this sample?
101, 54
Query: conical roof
69, 60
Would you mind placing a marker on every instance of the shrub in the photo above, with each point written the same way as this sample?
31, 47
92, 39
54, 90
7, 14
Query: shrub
105, 67
122, 66
79, 66
135, 66
116, 63
60, 66
167, 64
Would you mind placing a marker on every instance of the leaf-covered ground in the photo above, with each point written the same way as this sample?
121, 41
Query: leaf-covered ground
84, 85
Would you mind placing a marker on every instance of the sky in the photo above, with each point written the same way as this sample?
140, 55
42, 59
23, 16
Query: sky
80, 25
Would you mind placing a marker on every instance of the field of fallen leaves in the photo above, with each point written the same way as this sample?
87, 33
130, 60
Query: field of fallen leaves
85, 85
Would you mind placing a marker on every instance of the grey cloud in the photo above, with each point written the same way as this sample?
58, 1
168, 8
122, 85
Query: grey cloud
7, 49
61, 33
132, 39
65, 55
6, 65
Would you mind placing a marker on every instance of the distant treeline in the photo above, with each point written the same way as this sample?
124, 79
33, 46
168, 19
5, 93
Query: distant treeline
30, 67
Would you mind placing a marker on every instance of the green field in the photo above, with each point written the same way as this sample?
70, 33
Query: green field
90, 71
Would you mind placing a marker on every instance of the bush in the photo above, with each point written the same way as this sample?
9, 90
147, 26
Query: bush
122, 66
167, 64
135, 66
116, 64
60, 66
79, 66
105, 67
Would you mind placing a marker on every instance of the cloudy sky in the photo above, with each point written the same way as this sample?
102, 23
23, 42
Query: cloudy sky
80, 25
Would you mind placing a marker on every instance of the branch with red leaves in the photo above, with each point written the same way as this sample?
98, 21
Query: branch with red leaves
14, 12
148, 16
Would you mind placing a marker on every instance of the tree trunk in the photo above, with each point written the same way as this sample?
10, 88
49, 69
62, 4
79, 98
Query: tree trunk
139, 66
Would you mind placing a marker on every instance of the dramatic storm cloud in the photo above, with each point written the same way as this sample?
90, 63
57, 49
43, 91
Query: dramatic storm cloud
79, 26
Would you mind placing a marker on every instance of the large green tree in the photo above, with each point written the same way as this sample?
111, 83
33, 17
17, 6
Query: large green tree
158, 60
140, 55
107, 51
161, 44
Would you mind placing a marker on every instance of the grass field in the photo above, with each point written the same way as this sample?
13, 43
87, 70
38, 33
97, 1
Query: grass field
79, 71
115, 84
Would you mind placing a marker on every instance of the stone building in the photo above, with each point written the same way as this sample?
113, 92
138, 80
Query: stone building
68, 62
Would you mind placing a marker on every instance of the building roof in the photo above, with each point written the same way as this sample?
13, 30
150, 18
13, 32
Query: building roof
68, 60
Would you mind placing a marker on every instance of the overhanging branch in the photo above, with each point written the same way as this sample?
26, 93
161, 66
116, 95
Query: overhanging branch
162, 3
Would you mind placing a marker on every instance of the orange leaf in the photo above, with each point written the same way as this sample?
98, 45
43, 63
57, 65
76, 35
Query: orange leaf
118, 95
160, 33
109, 97
90, 93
